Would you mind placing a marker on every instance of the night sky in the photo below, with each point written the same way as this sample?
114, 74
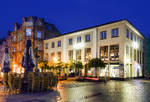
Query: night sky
70, 15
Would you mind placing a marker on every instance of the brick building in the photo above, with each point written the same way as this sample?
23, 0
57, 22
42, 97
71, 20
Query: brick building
33, 28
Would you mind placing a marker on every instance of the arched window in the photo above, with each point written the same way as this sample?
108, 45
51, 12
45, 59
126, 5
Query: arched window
39, 34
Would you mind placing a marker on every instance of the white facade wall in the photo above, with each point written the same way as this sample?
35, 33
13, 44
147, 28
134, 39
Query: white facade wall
95, 45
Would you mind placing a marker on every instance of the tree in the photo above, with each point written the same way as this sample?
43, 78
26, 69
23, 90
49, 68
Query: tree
43, 64
96, 63
78, 65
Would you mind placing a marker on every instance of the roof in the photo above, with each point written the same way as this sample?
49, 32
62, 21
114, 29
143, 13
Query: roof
98, 26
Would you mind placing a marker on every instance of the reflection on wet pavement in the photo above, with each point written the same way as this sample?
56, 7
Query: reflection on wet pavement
113, 91
72, 91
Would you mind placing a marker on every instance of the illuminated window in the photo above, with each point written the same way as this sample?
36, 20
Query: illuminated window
39, 34
59, 44
104, 53
103, 35
114, 52
70, 41
78, 54
114, 33
70, 54
78, 39
59, 56
87, 38
87, 54
52, 56
28, 32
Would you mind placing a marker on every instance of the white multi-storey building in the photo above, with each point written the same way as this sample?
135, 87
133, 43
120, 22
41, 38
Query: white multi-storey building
119, 44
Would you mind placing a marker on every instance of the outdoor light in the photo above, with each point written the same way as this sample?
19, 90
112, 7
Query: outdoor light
14, 68
78, 46
14, 65
135, 45
55, 59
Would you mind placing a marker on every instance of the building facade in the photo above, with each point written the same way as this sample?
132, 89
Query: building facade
2, 50
33, 28
119, 44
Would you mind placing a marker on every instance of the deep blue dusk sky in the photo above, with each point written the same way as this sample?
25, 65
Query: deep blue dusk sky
70, 15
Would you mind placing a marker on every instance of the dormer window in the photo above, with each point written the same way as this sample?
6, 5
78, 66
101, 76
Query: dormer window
39, 34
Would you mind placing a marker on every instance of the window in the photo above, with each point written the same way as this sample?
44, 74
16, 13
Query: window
14, 38
131, 53
87, 54
127, 50
78, 54
59, 44
87, 38
104, 52
39, 46
114, 32
70, 41
28, 32
114, 52
138, 56
39, 34
70, 54
78, 39
59, 56
46, 46
134, 37
127, 33
134, 55
103, 35
46, 56
52, 56
131, 36
53, 45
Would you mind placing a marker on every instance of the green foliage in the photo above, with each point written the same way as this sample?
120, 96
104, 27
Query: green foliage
96, 62
78, 64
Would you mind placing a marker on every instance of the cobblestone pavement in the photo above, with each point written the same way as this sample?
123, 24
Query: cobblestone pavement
72, 91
